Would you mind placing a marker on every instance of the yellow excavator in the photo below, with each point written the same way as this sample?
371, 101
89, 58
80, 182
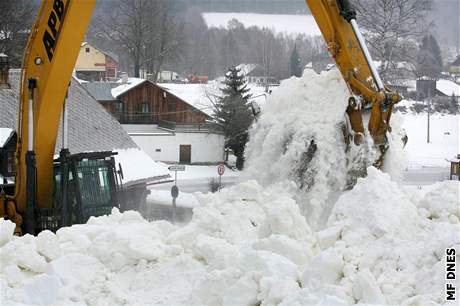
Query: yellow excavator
337, 22
50, 193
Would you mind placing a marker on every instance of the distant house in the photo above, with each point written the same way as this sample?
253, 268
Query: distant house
447, 88
255, 74
442, 88
93, 64
8, 140
165, 126
454, 68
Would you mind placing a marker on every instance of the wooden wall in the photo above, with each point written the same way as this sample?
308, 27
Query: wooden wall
161, 105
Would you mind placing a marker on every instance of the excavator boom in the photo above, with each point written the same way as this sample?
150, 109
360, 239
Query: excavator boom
337, 22
48, 62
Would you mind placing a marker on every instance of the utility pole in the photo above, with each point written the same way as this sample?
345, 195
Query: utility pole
428, 115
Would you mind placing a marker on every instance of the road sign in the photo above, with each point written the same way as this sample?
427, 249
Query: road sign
176, 168
221, 169
174, 191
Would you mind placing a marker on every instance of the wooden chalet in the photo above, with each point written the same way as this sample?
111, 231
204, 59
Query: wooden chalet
139, 101
148, 103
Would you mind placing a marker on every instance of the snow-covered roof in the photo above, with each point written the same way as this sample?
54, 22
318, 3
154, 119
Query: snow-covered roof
5, 134
246, 68
289, 24
132, 82
448, 87
198, 95
138, 166
193, 94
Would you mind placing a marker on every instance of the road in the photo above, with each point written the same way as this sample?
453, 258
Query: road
161, 202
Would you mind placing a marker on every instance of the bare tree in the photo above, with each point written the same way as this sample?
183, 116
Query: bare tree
267, 49
126, 25
16, 19
164, 37
393, 28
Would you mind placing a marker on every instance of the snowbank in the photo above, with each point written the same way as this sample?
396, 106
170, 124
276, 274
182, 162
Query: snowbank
247, 245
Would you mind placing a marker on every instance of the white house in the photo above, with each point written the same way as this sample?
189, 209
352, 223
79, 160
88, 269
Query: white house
165, 120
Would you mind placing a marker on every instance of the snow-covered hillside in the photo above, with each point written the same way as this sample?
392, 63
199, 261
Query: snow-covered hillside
286, 24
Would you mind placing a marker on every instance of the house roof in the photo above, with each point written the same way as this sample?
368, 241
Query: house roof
246, 68
108, 53
123, 88
101, 90
456, 62
257, 70
448, 88
90, 126
5, 135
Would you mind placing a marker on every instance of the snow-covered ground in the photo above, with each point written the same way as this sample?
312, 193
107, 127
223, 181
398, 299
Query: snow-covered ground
286, 24
273, 239
444, 139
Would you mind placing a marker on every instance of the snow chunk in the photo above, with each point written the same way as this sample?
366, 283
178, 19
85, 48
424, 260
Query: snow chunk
6, 231
42, 290
443, 202
48, 245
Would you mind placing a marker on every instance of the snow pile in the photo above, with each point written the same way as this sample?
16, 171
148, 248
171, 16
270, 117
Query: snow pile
244, 246
281, 142
379, 248
443, 202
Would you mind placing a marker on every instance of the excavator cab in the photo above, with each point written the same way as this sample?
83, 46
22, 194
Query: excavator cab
85, 185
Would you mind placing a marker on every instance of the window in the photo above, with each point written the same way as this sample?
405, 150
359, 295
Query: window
118, 106
157, 150
87, 50
144, 108
11, 162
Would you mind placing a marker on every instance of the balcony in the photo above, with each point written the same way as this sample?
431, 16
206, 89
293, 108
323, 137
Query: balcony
150, 118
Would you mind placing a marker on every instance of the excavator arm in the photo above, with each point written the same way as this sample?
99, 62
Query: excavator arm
49, 59
337, 22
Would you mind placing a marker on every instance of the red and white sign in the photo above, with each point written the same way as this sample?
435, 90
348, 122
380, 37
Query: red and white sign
221, 169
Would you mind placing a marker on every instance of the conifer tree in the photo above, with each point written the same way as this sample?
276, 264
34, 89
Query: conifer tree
295, 67
233, 111
429, 62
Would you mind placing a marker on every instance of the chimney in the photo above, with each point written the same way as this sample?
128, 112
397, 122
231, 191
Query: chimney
4, 70
124, 78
